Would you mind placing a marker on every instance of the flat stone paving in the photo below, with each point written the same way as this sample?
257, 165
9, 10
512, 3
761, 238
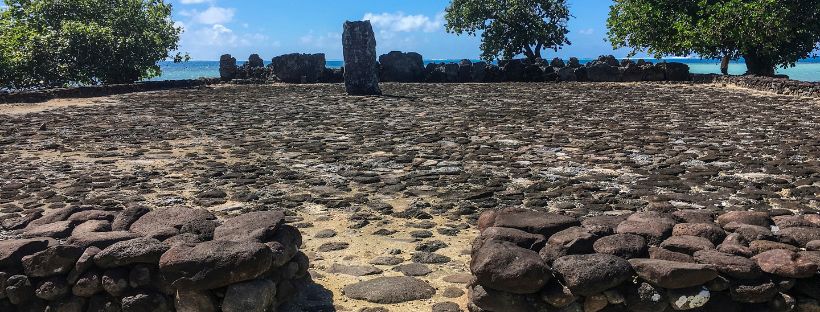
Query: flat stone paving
411, 170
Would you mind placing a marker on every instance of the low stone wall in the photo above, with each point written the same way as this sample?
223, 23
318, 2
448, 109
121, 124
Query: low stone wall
102, 90
137, 260
647, 261
407, 67
767, 84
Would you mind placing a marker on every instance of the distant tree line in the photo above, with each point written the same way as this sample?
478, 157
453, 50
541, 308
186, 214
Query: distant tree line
50, 43
765, 33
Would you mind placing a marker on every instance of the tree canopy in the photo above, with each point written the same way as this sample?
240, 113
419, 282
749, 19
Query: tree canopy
511, 27
46, 43
766, 33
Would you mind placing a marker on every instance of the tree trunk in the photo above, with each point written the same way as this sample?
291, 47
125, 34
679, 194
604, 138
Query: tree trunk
724, 65
759, 65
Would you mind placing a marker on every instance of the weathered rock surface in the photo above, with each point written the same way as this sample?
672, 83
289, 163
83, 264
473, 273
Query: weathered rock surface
506, 267
214, 264
359, 45
591, 274
671, 274
387, 290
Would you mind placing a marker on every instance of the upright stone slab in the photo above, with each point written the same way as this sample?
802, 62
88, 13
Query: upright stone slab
227, 67
361, 72
254, 61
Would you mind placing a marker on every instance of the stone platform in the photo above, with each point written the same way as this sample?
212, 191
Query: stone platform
393, 186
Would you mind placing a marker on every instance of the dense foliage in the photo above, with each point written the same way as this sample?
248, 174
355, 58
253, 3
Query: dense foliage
511, 27
46, 43
766, 33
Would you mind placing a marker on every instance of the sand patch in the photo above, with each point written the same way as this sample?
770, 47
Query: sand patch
22, 109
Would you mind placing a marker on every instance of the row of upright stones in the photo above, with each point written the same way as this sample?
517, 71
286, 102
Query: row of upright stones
409, 68
646, 262
288, 68
79, 259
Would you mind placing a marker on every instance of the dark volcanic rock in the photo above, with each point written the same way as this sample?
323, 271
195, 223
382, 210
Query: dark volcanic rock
518, 237
591, 274
545, 224
52, 261
12, 251
401, 67
752, 291
256, 226
492, 300
251, 296
390, 290
359, 45
214, 264
799, 236
575, 240
744, 217
671, 274
139, 250
626, 246
709, 231
127, 217
413, 269
168, 221
506, 267
227, 67
687, 244
786, 263
728, 264
299, 68
100, 239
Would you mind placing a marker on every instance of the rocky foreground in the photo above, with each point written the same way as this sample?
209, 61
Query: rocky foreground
387, 190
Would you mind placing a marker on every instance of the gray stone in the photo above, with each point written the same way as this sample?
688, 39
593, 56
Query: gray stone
671, 274
12, 251
361, 72
214, 264
52, 261
227, 67
299, 68
354, 270
413, 269
142, 302
390, 290
587, 275
138, 250
401, 67
250, 296
195, 301
257, 226
506, 267
128, 216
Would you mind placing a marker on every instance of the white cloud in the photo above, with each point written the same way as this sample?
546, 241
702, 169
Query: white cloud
194, 1
588, 31
327, 40
400, 22
210, 16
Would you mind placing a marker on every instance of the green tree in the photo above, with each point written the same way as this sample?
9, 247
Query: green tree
45, 43
511, 27
766, 33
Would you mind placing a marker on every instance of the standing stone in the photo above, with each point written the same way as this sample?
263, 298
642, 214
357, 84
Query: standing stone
254, 61
361, 72
227, 67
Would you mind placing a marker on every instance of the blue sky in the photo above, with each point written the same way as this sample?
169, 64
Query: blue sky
274, 27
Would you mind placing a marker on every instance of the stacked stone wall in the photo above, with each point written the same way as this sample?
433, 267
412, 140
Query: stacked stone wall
779, 85
647, 261
137, 260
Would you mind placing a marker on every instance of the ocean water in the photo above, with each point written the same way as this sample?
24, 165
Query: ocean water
806, 70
